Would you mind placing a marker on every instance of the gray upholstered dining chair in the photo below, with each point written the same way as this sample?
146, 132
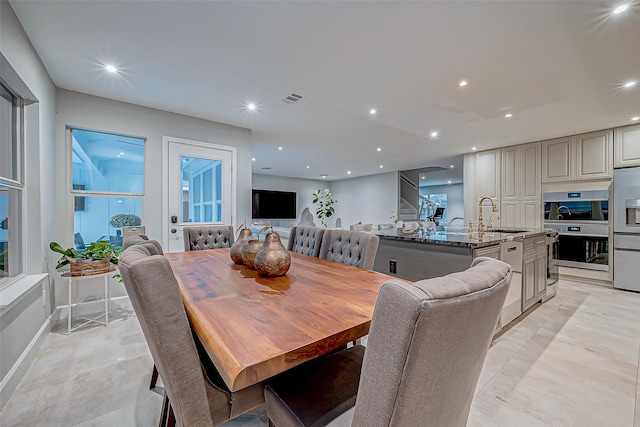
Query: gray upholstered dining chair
154, 248
305, 240
195, 394
356, 248
207, 237
426, 347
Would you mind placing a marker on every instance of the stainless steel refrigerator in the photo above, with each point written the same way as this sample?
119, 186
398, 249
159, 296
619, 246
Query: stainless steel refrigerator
626, 228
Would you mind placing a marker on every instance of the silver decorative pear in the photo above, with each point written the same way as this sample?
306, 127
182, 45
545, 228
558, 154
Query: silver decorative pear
236, 248
273, 259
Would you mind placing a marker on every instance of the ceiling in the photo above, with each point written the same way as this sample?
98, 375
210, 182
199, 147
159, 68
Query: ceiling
557, 66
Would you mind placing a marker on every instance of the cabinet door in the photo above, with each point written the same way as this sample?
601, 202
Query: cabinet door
530, 172
511, 172
531, 214
593, 155
627, 146
510, 214
488, 174
541, 275
557, 160
528, 282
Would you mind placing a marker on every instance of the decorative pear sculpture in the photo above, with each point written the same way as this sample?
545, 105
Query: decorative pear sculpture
236, 248
273, 259
249, 251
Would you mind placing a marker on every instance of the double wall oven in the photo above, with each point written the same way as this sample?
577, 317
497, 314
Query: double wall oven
582, 221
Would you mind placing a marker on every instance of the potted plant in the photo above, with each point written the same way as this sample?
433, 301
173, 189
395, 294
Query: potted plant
123, 220
95, 258
324, 205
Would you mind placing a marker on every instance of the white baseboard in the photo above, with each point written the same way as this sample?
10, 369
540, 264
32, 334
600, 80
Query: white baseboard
92, 307
17, 371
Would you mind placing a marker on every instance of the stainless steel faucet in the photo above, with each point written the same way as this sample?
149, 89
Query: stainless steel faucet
494, 208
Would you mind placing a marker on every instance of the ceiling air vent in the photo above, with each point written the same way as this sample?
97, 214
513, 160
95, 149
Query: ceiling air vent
266, 168
292, 99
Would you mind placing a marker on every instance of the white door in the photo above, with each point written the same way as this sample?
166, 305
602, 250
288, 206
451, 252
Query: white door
199, 190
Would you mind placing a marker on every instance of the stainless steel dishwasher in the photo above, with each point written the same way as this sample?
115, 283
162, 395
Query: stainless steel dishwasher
511, 253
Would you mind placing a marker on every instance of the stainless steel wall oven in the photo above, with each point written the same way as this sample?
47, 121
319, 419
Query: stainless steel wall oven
582, 221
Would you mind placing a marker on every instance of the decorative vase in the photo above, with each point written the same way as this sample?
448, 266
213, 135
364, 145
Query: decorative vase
273, 259
236, 248
249, 251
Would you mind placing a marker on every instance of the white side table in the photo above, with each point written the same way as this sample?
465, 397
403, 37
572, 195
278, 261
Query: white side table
107, 299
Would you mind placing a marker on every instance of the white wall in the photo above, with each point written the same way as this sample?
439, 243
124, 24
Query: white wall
22, 324
303, 187
455, 199
91, 112
369, 199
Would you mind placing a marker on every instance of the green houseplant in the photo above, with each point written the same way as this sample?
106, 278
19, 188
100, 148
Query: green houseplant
324, 205
95, 251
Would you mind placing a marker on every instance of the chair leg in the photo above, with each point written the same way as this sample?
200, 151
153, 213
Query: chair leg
164, 414
154, 377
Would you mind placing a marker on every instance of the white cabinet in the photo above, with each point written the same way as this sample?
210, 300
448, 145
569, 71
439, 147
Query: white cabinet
511, 166
627, 146
510, 214
531, 172
488, 174
593, 155
557, 155
579, 157
534, 271
530, 214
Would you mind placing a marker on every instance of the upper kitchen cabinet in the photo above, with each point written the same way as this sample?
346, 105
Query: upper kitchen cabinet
521, 171
627, 146
488, 174
593, 152
557, 155
580, 157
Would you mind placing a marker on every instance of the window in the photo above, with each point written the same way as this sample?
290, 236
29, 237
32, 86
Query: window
432, 203
107, 180
11, 185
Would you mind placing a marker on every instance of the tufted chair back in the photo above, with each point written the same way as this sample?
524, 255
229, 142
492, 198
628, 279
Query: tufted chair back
305, 240
134, 240
207, 237
356, 248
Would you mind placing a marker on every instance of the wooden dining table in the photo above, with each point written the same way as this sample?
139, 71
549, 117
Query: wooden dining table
255, 327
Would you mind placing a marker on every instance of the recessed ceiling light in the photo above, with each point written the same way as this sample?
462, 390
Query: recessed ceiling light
324, 175
635, 119
451, 166
434, 134
463, 83
372, 111
508, 116
620, 9
423, 177
348, 172
379, 149
449, 182
253, 159
280, 148
251, 106
381, 166
474, 148
308, 166
111, 68
630, 84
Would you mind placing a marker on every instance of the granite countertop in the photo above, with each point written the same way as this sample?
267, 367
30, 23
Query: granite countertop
460, 236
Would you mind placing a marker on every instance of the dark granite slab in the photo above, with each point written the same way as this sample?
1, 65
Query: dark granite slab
459, 236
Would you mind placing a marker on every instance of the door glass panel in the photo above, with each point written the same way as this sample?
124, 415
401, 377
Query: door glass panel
201, 183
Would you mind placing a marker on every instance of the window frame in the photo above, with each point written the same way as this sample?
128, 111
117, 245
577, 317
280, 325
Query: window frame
17, 140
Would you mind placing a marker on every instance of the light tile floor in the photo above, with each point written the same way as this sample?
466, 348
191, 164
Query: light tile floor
573, 361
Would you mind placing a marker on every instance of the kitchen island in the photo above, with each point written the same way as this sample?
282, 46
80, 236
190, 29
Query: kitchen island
434, 252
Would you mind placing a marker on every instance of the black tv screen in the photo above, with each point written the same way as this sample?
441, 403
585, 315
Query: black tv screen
268, 204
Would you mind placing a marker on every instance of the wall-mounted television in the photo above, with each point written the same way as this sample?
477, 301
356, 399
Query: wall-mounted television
267, 204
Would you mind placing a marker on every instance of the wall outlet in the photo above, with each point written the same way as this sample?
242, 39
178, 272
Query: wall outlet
393, 268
